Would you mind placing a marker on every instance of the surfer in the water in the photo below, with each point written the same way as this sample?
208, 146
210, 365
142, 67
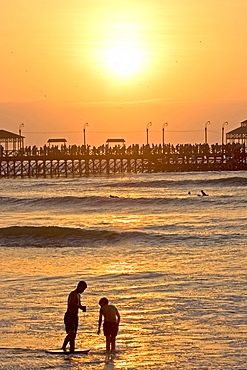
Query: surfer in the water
71, 315
111, 323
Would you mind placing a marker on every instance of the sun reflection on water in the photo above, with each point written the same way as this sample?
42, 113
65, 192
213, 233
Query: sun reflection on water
126, 221
120, 268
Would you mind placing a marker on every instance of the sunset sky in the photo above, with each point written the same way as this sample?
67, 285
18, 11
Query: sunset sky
118, 65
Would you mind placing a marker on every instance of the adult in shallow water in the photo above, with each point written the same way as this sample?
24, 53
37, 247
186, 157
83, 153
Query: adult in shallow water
71, 315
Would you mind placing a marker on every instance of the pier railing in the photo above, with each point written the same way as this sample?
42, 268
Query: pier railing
75, 161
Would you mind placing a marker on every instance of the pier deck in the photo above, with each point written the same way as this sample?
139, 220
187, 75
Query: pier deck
14, 165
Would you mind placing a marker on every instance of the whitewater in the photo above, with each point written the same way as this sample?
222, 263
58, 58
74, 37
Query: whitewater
172, 261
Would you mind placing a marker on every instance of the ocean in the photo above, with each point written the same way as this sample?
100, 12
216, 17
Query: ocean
172, 261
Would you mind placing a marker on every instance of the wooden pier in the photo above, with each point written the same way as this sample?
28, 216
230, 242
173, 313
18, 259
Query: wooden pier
16, 165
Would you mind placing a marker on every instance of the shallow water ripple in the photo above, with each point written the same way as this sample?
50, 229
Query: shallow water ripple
173, 263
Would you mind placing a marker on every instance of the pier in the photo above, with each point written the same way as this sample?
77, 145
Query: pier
79, 161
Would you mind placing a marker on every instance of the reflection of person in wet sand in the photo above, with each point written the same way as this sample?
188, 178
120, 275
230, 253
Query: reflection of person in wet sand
111, 322
109, 361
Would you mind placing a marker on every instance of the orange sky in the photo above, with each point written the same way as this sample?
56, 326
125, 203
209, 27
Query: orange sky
121, 64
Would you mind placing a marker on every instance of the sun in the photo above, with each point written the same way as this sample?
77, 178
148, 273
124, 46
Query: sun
124, 60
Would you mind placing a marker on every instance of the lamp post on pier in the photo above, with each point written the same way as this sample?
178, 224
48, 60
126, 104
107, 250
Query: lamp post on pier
20, 127
223, 133
149, 124
84, 133
21, 143
163, 133
206, 131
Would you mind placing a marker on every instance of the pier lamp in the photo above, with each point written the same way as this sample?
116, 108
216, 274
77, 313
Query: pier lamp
20, 127
21, 144
206, 131
149, 124
163, 132
84, 132
223, 132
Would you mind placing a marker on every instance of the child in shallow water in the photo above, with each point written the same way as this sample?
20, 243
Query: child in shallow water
111, 323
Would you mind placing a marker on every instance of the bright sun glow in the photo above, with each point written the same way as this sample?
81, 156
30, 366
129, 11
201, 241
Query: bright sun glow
124, 60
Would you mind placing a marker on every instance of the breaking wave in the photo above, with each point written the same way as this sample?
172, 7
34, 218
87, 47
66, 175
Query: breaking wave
103, 202
55, 236
226, 181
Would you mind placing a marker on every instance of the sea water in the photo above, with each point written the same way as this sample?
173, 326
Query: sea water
173, 262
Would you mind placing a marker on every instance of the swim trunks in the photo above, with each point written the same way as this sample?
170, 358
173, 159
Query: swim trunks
71, 322
110, 328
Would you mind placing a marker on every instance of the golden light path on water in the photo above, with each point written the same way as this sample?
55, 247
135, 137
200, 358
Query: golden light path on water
174, 265
155, 324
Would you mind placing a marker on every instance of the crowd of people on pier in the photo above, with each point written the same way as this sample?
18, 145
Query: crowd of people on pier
229, 150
